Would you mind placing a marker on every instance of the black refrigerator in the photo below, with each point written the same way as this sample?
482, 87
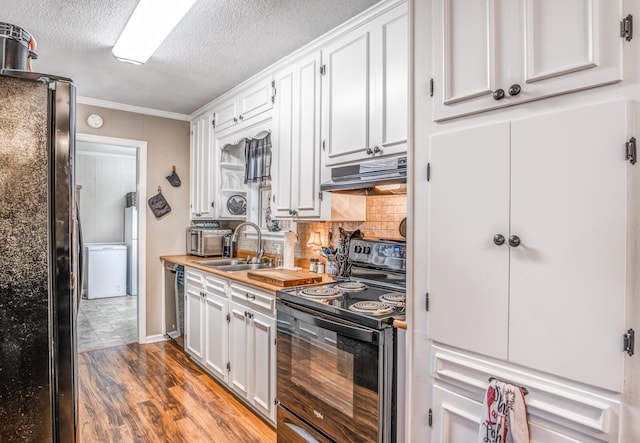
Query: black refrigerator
39, 258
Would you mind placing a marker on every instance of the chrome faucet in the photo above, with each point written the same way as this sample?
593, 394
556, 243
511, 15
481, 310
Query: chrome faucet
259, 248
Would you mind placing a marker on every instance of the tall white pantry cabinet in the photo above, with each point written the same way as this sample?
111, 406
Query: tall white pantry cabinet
528, 202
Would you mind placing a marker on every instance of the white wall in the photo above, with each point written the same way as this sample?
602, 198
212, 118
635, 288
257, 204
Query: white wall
105, 178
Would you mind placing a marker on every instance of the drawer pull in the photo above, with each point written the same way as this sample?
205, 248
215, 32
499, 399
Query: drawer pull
250, 296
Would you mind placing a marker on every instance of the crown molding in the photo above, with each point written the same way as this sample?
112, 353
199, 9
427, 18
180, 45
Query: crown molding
131, 108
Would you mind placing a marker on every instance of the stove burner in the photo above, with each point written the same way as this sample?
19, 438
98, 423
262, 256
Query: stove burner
371, 308
351, 286
324, 293
393, 298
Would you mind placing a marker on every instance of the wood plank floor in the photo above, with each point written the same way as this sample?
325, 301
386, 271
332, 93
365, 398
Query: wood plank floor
154, 393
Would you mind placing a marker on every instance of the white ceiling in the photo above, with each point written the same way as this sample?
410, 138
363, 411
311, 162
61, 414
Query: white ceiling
217, 45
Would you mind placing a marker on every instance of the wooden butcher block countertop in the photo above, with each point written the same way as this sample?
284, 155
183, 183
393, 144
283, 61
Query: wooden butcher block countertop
239, 276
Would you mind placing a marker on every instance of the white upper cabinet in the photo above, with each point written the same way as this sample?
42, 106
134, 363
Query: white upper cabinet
364, 90
528, 234
490, 54
240, 108
296, 140
202, 172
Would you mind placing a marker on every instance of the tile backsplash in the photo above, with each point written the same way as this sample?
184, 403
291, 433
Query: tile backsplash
384, 214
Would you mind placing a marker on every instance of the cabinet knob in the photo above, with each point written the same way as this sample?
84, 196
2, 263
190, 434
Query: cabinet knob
241, 117
369, 151
498, 239
498, 94
514, 89
377, 150
514, 241
235, 119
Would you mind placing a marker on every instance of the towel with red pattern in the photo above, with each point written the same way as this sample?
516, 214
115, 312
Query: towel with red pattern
504, 415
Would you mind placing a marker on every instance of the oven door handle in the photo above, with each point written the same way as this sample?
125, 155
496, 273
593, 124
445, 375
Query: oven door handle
315, 319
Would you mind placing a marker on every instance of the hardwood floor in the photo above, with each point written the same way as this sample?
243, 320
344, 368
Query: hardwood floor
154, 393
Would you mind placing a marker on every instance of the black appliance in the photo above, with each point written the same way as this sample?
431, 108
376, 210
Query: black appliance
40, 257
337, 351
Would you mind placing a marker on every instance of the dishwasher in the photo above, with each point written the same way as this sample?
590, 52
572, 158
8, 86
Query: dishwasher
174, 302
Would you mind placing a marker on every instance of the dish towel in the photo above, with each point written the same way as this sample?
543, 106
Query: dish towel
504, 415
258, 160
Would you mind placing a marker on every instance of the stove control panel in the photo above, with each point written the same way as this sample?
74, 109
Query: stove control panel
391, 255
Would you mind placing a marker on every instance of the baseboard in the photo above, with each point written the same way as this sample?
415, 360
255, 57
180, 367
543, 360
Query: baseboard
155, 338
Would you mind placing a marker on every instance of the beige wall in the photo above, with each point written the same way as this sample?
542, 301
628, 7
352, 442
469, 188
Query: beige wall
167, 145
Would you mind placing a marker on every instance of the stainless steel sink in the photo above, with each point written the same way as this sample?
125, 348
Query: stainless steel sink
233, 265
244, 267
222, 262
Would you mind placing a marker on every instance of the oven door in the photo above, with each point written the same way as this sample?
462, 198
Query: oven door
331, 374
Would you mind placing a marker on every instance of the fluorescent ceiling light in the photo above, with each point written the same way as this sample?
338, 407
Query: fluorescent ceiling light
148, 26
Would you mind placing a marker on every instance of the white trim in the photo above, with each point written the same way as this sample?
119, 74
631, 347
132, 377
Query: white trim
131, 108
154, 338
141, 147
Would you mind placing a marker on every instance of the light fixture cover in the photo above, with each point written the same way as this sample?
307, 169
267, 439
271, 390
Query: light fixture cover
148, 26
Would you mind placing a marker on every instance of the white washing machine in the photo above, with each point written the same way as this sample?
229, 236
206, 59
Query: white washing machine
106, 270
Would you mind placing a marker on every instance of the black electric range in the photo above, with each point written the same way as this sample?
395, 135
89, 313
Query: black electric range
373, 296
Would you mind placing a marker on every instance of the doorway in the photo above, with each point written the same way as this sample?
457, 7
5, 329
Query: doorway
110, 187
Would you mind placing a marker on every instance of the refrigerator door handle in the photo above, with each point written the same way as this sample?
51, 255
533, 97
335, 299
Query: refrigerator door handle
80, 252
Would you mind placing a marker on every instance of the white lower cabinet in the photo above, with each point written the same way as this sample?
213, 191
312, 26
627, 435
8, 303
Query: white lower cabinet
457, 418
216, 331
559, 411
231, 331
252, 347
238, 352
194, 295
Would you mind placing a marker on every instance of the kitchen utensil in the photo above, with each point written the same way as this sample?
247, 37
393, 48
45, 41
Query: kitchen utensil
15, 45
403, 227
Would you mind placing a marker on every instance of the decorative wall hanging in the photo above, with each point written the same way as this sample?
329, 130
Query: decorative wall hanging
158, 204
173, 178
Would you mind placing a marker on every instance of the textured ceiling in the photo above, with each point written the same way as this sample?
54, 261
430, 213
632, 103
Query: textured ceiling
217, 45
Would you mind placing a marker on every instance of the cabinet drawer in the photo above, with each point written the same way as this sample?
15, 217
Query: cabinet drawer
255, 298
216, 285
194, 278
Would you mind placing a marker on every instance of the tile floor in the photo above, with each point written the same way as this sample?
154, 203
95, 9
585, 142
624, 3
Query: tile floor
107, 322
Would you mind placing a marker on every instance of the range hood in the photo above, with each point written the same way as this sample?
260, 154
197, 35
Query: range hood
366, 175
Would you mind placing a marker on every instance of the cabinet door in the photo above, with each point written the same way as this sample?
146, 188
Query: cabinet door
255, 99
347, 94
392, 78
545, 47
468, 273
456, 419
202, 177
284, 148
239, 349
568, 45
226, 114
215, 336
464, 38
193, 320
263, 333
568, 207
306, 135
